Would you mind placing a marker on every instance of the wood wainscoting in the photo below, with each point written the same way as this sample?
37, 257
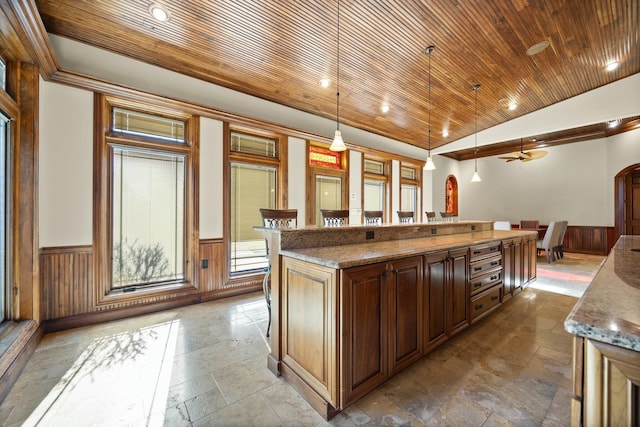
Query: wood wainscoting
68, 292
595, 240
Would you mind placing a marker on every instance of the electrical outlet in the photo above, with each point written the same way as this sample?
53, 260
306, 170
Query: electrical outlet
434, 231
369, 235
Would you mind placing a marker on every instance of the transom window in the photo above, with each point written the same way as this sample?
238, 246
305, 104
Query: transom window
146, 125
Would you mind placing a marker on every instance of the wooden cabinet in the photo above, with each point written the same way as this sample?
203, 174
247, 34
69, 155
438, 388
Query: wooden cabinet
529, 260
512, 267
342, 332
406, 313
446, 295
309, 332
486, 278
606, 382
382, 323
364, 329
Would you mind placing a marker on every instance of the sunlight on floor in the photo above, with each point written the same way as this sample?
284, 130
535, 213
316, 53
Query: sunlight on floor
127, 376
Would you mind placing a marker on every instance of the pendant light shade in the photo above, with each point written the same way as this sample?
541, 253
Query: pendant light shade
338, 143
476, 175
429, 166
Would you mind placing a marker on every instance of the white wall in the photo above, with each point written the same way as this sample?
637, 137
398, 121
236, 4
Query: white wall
65, 166
297, 185
355, 187
211, 178
573, 182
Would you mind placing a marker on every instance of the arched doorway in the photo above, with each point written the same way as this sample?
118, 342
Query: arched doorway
627, 200
451, 195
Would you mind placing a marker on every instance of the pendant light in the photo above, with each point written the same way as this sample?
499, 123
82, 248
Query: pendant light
429, 166
338, 143
476, 176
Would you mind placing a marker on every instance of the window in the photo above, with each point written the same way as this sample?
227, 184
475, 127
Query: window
3, 74
145, 203
255, 176
326, 181
148, 205
5, 217
451, 195
252, 187
410, 178
375, 181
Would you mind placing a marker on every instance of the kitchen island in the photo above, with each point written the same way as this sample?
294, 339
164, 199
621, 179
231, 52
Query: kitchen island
606, 325
352, 306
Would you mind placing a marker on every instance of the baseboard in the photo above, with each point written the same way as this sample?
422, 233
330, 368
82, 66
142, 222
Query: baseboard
12, 361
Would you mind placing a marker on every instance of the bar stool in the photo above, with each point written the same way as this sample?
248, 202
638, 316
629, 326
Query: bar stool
372, 217
405, 217
334, 217
277, 219
431, 216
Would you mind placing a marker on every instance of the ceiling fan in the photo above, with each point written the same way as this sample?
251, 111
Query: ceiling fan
525, 157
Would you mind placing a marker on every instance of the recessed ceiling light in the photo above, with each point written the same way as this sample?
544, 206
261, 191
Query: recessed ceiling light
324, 82
613, 123
537, 48
612, 66
513, 106
445, 133
159, 12
384, 108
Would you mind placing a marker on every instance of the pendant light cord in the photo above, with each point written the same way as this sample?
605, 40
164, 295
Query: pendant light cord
475, 151
338, 74
429, 109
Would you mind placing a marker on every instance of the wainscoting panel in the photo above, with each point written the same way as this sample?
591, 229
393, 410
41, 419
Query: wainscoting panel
588, 239
211, 250
66, 278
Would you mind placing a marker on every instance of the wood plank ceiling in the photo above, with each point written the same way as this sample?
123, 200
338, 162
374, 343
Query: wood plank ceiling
280, 50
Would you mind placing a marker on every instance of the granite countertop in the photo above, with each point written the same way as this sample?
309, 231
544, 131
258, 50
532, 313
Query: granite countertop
609, 310
367, 253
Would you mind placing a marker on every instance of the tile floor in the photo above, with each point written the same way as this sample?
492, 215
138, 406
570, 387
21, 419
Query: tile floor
206, 365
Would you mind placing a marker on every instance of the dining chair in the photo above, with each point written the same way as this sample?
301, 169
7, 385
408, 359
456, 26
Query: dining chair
529, 223
334, 217
372, 217
278, 219
502, 225
557, 249
549, 240
447, 216
431, 216
405, 217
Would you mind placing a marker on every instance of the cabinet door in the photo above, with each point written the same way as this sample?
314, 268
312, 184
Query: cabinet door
458, 305
531, 258
405, 310
364, 330
435, 279
507, 270
518, 266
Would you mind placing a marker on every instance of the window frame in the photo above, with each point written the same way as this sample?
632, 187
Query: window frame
417, 183
104, 140
279, 162
385, 178
314, 171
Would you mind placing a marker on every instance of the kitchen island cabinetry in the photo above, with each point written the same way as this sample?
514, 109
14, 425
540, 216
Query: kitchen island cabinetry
382, 323
447, 295
350, 316
606, 356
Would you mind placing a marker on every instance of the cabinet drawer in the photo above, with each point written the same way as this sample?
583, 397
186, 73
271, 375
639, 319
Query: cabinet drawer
481, 283
482, 267
485, 301
485, 251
